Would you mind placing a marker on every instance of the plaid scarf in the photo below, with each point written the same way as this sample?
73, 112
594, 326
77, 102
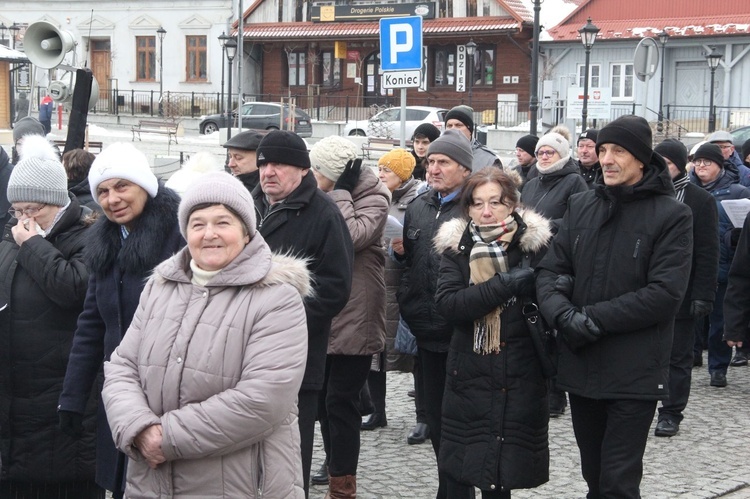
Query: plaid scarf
487, 258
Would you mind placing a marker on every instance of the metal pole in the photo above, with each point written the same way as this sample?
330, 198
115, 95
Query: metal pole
223, 63
711, 110
534, 98
161, 75
229, 102
660, 124
585, 110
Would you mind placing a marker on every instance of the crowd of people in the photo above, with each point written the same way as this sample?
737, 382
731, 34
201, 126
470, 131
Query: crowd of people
181, 339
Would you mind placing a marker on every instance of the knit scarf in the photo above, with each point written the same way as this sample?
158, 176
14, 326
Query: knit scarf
488, 257
680, 182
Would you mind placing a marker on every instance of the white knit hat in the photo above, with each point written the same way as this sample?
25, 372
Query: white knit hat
556, 142
122, 160
330, 155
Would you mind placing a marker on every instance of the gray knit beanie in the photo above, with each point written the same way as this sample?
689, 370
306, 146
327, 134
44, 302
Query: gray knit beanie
218, 188
38, 180
27, 126
456, 146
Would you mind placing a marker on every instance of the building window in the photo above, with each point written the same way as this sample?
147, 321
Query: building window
594, 73
621, 81
196, 58
471, 8
445, 66
297, 73
484, 67
330, 69
145, 49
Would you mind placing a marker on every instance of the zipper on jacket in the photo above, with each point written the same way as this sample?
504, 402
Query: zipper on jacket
575, 243
637, 246
438, 212
263, 219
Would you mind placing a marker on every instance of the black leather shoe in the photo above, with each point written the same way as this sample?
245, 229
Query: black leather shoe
412, 393
418, 434
718, 379
698, 360
740, 359
556, 412
374, 421
666, 428
321, 476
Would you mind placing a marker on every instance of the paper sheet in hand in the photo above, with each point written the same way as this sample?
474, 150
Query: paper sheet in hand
737, 210
393, 228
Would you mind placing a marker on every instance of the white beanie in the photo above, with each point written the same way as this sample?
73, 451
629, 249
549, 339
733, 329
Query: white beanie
330, 155
556, 142
122, 160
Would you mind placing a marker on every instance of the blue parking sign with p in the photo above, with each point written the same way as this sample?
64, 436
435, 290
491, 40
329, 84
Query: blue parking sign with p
401, 43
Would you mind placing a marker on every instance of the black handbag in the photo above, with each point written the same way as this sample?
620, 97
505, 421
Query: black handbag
543, 337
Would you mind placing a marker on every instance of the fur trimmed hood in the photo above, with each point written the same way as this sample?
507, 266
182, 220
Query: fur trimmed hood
534, 236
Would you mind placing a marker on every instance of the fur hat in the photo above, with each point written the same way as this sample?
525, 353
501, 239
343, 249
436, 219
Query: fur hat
122, 160
399, 161
462, 113
630, 132
456, 146
528, 143
590, 134
27, 126
219, 188
556, 142
330, 155
38, 180
428, 130
285, 147
249, 140
675, 151
37, 146
710, 151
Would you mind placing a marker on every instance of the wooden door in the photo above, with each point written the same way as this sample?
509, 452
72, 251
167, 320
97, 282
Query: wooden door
100, 66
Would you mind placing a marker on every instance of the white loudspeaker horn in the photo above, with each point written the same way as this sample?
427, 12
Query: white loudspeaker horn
45, 45
61, 91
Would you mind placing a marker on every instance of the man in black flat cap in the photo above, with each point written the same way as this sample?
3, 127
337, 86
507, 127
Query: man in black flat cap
241, 150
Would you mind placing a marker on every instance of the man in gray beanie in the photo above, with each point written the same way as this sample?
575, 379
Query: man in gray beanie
461, 118
611, 284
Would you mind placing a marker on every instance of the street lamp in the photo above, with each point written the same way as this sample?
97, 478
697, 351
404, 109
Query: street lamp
663, 38
471, 49
588, 37
3, 29
534, 98
14, 29
231, 48
161, 32
713, 58
222, 40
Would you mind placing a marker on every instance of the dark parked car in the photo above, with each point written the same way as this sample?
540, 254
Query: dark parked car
739, 136
260, 116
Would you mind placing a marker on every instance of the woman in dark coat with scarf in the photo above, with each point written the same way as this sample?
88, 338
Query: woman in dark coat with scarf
138, 232
42, 287
495, 412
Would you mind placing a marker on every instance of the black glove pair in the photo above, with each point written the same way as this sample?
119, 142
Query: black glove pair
518, 281
577, 328
700, 308
70, 423
349, 178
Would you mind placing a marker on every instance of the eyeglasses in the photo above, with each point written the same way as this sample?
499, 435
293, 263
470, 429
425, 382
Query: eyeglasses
702, 162
725, 146
29, 212
545, 153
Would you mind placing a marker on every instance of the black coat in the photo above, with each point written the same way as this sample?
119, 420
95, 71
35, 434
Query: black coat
736, 303
592, 175
495, 407
416, 294
309, 225
80, 189
629, 249
548, 193
119, 270
705, 264
5, 168
43, 283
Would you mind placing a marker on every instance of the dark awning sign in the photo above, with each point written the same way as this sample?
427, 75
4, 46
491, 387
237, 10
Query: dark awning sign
342, 13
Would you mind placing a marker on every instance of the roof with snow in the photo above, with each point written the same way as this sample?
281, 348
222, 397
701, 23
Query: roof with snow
8, 54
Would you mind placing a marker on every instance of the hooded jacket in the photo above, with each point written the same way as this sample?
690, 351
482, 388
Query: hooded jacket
42, 287
359, 329
219, 367
629, 250
495, 409
309, 225
119, 269
548, 192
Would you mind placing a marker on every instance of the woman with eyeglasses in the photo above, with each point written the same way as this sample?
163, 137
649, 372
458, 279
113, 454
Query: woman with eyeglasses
138, 231
43, 281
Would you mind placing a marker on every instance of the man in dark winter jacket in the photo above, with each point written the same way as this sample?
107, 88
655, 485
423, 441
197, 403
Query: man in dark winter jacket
701, 292
736, 304
611, 283
525, 163
461, 118
450, 158
241, 149
295, 216
588, 160
725, 141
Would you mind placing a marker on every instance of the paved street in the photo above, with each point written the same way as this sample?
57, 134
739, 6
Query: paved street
710, 456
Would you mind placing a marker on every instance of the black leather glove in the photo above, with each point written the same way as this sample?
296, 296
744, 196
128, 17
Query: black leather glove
348, 180
70, 423
577, 328
519, 281
700, 308
564, 284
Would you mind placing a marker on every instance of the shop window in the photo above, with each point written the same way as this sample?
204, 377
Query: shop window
484, 67
196, 58
297, 75
330, 69
145, 49
445, 66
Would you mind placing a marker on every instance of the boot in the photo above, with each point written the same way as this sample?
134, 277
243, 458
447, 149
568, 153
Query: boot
342, 487
321, 476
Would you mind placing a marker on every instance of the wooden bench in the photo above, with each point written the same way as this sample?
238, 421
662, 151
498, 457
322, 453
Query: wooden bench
92, 146
382, 145
163, 127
